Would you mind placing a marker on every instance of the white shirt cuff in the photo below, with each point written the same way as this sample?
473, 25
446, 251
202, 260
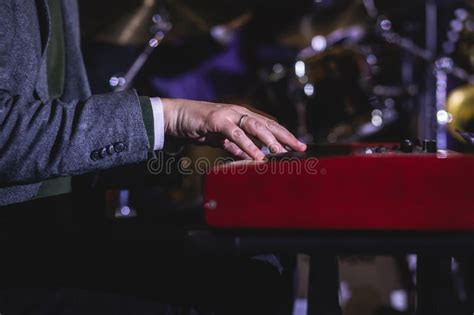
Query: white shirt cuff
158, 123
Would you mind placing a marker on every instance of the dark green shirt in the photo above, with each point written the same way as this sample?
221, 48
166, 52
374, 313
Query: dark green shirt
56, 61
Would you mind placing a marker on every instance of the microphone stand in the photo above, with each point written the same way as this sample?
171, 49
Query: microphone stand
119, 200
161, 26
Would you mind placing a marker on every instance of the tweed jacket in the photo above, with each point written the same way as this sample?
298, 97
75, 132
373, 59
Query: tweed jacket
43, 138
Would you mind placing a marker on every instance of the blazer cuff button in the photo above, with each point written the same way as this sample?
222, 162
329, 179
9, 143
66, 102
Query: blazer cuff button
110, 149
95, 155
119, 147
103, 153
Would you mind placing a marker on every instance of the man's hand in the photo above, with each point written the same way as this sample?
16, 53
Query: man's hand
228, 126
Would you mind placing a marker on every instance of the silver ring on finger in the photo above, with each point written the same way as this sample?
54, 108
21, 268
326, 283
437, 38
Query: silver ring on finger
241, 120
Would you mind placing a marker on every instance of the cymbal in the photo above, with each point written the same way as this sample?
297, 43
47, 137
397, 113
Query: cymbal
132, 27
350, 16
129, 22
460, 105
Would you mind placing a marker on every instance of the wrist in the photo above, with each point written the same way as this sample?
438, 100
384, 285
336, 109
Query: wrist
168, 114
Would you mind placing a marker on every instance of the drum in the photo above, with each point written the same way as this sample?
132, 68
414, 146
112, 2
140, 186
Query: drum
346, 95
348, 83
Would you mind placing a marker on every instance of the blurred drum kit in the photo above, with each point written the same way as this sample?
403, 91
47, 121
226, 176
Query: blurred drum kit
356, 84
353, 76
348, 91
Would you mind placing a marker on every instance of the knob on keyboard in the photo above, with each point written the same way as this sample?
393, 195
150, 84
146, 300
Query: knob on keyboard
430, 146
406, 146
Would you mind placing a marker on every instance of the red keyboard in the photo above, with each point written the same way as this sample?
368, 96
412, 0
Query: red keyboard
357, 187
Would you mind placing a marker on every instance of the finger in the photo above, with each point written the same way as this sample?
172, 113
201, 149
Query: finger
256, 128
235, 150
238, 136
281, 133
284, 136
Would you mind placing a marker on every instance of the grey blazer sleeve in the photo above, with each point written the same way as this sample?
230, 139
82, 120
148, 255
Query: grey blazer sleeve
41, 140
